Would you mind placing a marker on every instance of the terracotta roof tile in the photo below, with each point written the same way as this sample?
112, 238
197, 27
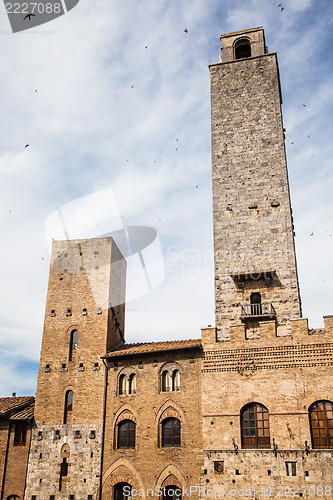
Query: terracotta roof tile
13, 405
26, 414
146, 347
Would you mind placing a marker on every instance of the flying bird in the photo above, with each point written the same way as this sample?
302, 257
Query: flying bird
304, 105
29, 16
185, 30
26, 146
311, 234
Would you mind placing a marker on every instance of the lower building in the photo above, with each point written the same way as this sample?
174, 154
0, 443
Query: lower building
16, 419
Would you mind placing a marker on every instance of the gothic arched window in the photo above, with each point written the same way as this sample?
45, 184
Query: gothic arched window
170, 432
321, 424
255, 426
126, 434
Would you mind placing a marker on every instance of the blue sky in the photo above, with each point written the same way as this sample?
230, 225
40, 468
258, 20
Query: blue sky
107, 115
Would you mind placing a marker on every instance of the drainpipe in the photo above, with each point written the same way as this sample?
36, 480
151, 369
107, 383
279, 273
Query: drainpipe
103, 427
6, 459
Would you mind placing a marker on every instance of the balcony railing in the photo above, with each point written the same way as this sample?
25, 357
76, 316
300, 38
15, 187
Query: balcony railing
258, 311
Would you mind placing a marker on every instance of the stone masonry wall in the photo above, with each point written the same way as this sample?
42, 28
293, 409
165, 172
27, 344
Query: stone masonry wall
86, 293
84, 462
253, 230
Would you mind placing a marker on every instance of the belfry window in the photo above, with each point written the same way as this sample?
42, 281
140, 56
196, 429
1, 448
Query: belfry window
321, 424
242, 48
68, 406
73, 344
255, 426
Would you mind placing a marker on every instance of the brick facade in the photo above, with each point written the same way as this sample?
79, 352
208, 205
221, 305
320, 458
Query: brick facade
149, 465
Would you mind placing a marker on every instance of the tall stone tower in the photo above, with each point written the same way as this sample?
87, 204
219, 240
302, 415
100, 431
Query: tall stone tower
84, 318
255, 264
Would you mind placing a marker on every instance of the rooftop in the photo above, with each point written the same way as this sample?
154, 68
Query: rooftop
17, 408
148, 347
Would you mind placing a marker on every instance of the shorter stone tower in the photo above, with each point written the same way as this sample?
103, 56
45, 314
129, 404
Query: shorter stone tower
255, 264
84, 318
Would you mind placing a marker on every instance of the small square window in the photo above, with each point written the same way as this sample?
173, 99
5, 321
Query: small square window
57, 435
99, 310
291, 468
77, 435
40, 456
53, 313
33, 497
84, 312
306, 473
71, 497
90, 497
51, 497
69, 312
92, 434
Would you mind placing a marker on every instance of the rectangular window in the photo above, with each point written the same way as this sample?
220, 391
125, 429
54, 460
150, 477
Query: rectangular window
20, 433
291, 468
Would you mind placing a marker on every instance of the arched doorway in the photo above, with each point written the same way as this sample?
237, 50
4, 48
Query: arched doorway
256, 306
122, 491
172, 492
